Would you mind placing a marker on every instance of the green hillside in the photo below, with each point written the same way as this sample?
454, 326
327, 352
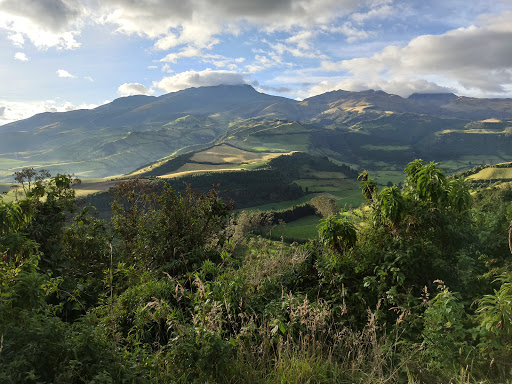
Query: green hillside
371, 129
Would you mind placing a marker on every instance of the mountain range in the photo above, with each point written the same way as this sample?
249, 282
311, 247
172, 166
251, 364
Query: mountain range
368, 129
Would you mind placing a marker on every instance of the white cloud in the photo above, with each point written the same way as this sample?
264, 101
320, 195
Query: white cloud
13, 111
167, 68
152, 67
17, 39
218, 61
398, 86
476, 59
186, 52
171, 23
46, 24
189, 19
130, 89
64, 73
352, 33
381, 11
191, 79
20, 56
89, 78
263, 62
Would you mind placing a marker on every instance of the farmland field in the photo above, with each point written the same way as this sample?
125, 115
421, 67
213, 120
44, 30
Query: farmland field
228, 154
301, 229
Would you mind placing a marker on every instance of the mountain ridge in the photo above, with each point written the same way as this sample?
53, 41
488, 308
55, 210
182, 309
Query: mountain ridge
131, 131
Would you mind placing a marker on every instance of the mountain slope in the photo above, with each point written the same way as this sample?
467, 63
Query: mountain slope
368, 128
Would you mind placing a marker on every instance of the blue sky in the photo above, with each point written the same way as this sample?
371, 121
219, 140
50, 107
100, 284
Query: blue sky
58, 55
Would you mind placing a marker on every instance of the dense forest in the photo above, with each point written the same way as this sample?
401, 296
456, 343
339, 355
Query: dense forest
412, 287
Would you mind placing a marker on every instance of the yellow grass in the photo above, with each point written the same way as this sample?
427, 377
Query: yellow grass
359, 108
492, 173
227, 154
490, 121
88, 187
184, 173
468, 131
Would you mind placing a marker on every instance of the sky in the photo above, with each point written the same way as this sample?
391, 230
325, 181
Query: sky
60, 55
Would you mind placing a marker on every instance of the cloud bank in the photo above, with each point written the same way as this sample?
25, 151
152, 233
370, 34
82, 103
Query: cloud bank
130, 89
190, 79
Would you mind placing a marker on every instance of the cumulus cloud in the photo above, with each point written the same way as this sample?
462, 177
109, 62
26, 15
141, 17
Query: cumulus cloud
64, 73
45, 23
191, 79
477, 58
398, 86
130, 89
218, 61
171, 23
20, 56
155, 17
55, 15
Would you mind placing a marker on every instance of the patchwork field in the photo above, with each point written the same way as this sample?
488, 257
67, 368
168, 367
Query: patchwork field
227, 154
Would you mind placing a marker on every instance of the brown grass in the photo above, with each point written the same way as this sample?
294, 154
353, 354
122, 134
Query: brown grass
227, 154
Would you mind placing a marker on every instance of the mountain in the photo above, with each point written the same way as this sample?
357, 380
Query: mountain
368, 129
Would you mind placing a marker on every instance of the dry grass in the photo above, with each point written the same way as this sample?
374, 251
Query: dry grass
492, 174
86, 187
192, 168
228, 154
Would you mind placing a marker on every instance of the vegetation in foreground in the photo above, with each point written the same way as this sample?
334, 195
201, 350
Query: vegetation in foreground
415, 288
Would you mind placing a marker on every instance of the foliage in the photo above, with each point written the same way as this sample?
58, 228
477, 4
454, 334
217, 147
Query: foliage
167, 231
324, 206
168, 292
337, 233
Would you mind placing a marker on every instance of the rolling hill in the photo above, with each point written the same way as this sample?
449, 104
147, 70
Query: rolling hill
370, 129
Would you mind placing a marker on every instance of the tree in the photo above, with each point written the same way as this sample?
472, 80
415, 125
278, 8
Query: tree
458, 195
427, 181
337, 233
391, 207
164, 229
27, 176
368, 187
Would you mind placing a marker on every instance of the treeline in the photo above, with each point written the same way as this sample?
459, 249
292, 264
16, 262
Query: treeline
272, 183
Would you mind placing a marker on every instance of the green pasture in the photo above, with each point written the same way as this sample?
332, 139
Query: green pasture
273, 143
301, 229
282, 204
